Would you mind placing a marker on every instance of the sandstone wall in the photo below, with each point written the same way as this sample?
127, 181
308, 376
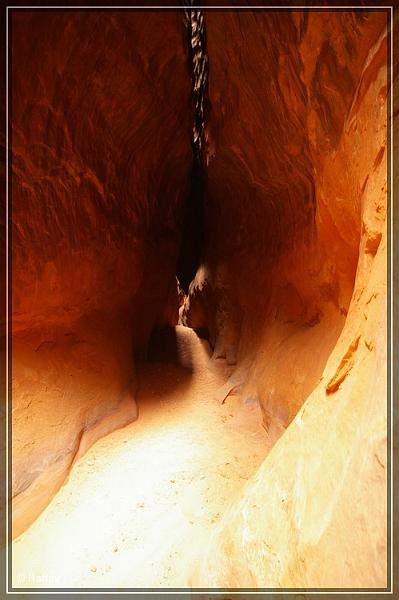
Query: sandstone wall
292, 150
293, 288
297, 155
101, 159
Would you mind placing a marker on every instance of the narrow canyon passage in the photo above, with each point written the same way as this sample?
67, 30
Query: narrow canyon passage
200, 226
139, 507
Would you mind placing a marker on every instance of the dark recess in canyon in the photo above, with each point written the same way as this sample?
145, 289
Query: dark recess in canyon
191, 251
192, 241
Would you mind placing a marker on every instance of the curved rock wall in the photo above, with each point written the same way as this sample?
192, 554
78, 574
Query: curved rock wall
293, 288
297, 201
101, 158
288, 162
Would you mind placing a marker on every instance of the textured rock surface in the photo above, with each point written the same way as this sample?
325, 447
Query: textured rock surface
296, 200
288, 162
101, 160
293, 288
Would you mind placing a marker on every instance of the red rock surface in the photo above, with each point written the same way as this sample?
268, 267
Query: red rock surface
297, 200
101, 159
293, 288
290, 153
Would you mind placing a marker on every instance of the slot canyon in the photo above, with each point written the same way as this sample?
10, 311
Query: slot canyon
199, 241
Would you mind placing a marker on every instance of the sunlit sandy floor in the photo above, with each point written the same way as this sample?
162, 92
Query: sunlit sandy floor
139, 507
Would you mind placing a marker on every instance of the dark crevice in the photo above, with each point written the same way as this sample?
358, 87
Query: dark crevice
192, 240
203, 334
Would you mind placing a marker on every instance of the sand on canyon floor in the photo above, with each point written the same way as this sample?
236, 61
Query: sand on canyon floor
139, 508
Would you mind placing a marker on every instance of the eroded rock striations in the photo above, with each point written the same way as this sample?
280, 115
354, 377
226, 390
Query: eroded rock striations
101, 158
294, 288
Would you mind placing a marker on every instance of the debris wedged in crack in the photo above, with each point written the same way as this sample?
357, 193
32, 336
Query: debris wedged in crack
199, 65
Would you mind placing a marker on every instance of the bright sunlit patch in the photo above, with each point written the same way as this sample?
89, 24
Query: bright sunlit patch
133, 505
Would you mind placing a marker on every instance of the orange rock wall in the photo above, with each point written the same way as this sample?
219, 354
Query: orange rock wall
291, 152
298, 154
293, 288
101, 130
